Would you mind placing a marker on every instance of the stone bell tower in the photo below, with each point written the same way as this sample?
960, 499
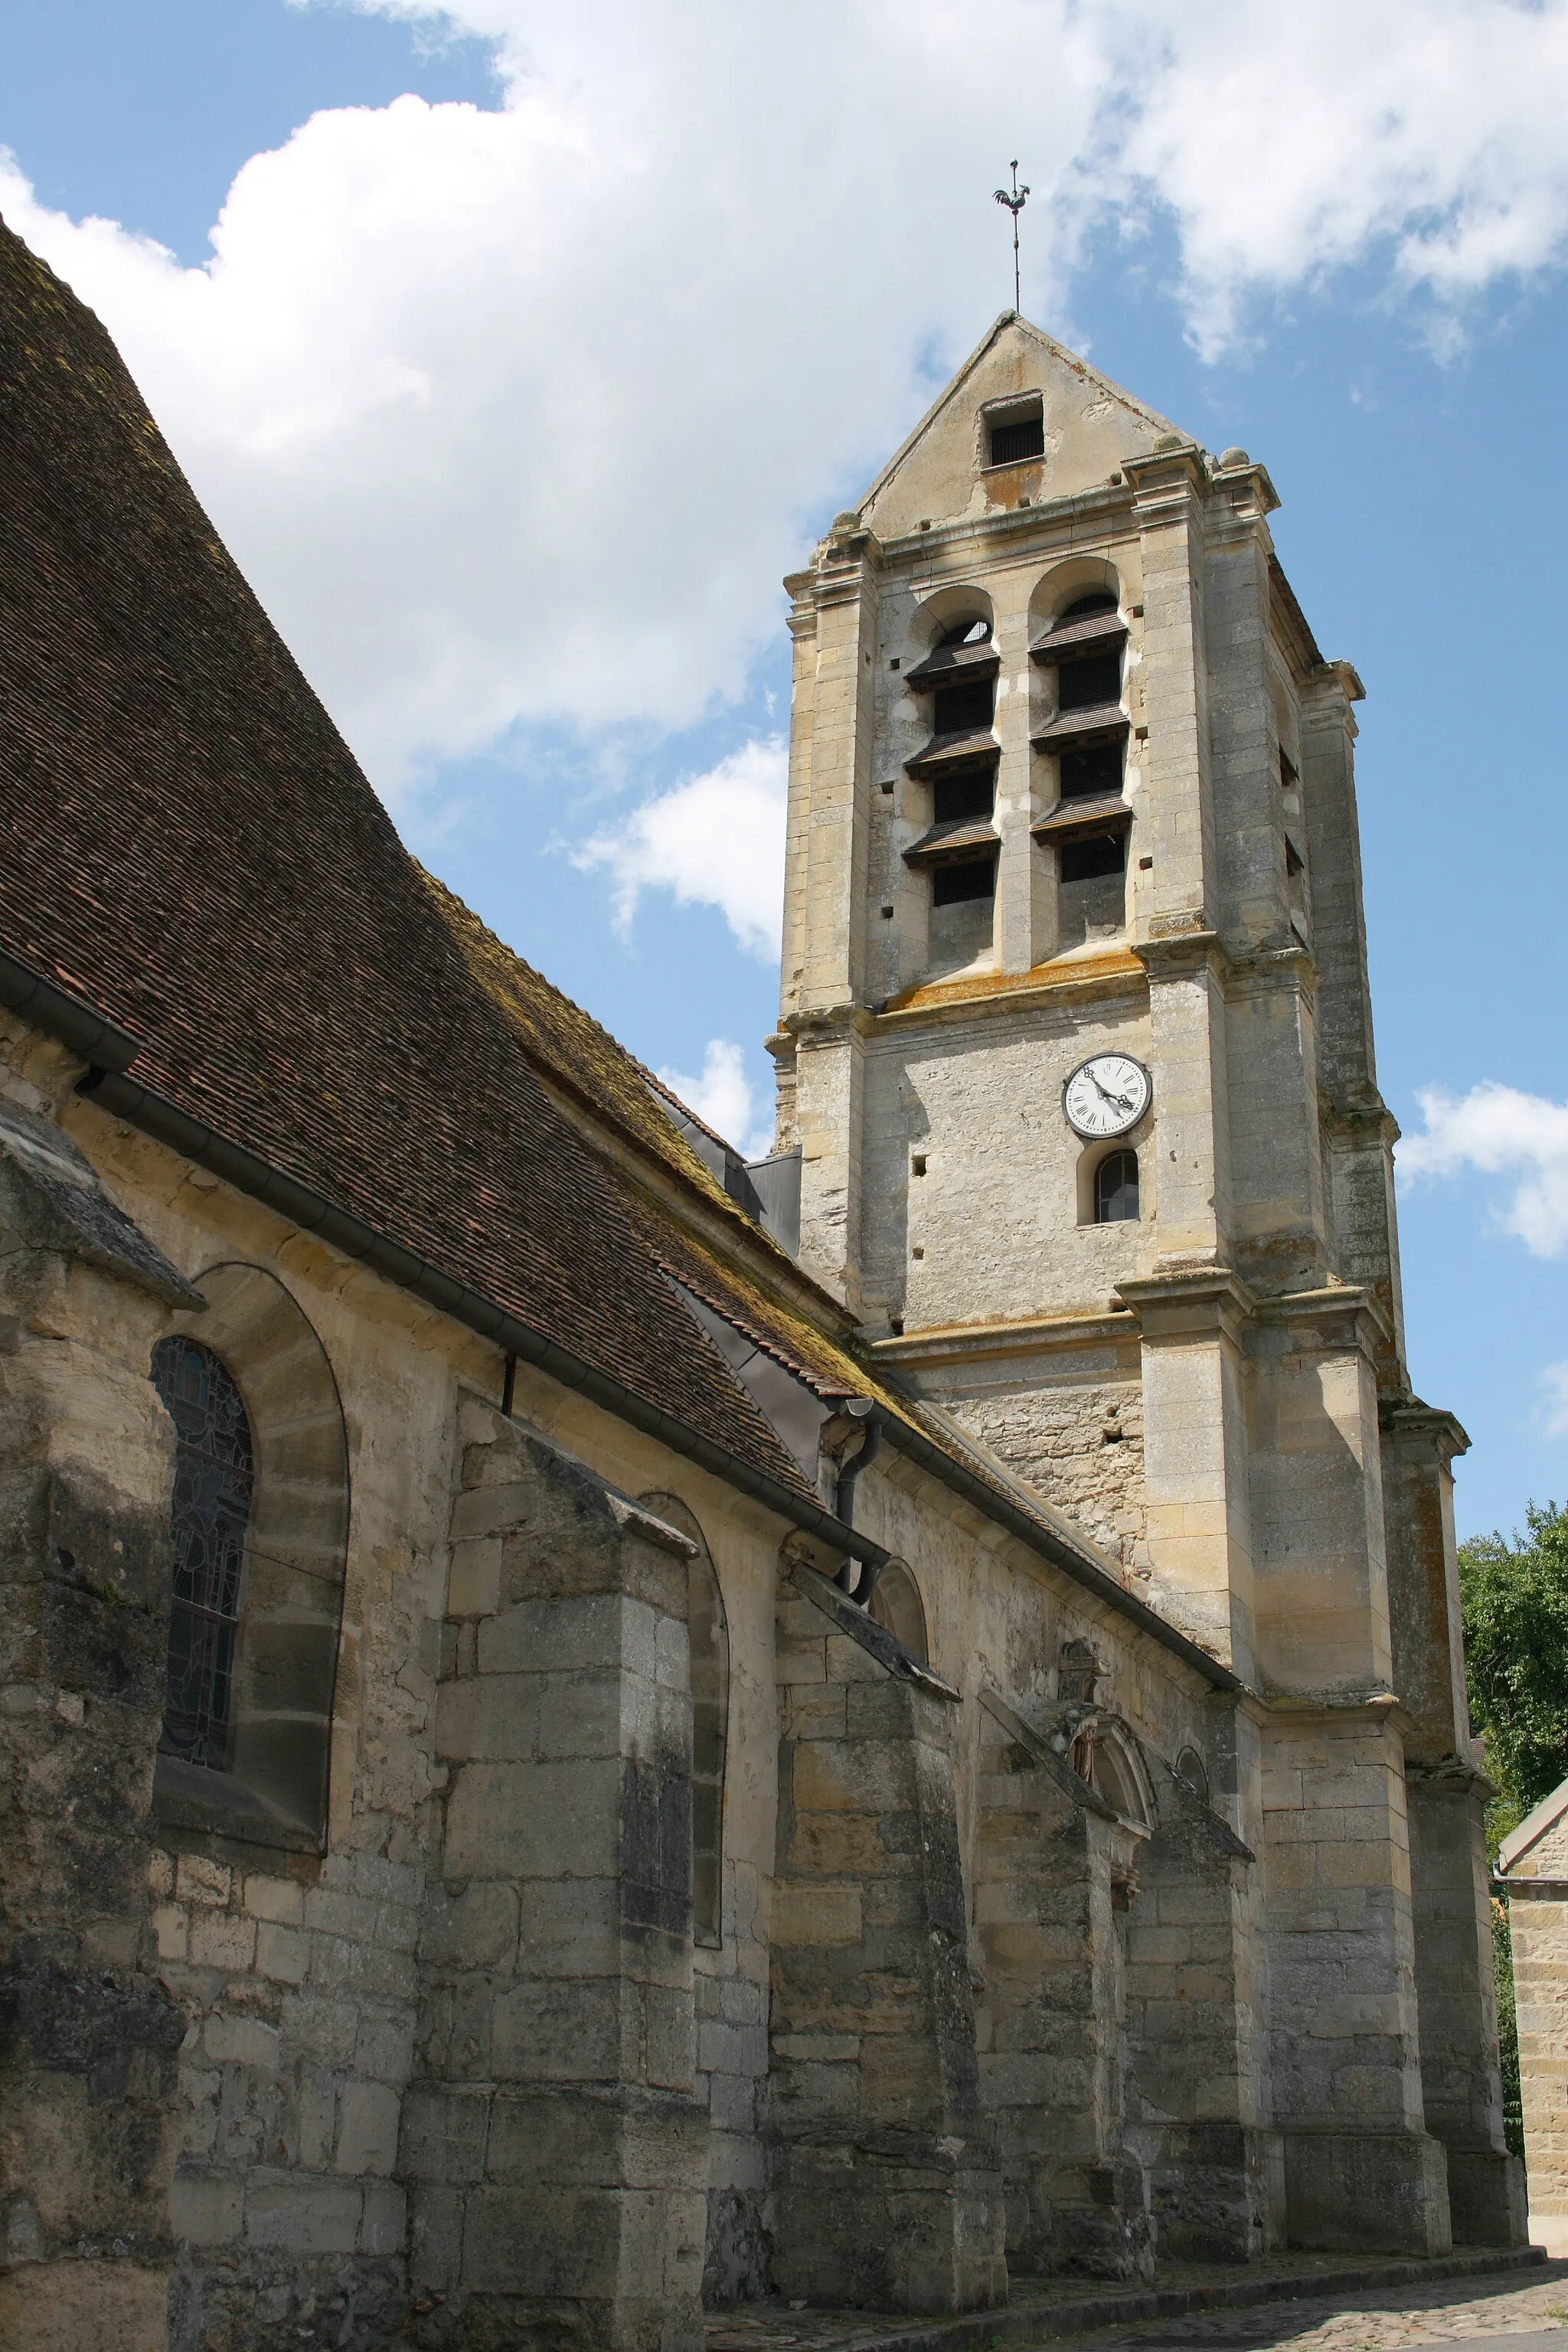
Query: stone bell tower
1076, 1044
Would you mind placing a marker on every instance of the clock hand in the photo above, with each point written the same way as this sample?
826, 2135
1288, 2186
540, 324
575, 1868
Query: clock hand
1122, 1102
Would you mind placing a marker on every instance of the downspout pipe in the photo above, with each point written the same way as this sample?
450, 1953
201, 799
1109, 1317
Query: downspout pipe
122, 1097
866, 1569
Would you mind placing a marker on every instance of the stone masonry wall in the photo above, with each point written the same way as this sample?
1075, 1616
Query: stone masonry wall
1538, 1922
1082, 1446
299, 1994
551, 2138
884, 2187
88, 2035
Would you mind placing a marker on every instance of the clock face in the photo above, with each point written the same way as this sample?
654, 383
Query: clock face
1107, 1095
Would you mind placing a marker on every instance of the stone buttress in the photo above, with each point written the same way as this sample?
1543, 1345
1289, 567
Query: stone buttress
885, 2190
551, 2134
89, 2035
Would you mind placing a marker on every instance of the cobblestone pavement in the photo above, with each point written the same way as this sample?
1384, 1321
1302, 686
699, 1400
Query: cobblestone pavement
1446, 2311
1347, 2319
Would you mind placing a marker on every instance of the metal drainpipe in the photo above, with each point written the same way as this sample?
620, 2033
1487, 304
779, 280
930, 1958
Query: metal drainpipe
868, 1572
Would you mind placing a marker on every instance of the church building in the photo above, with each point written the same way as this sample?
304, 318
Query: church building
591, 1731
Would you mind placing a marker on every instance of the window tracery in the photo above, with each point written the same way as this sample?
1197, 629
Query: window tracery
214, 1487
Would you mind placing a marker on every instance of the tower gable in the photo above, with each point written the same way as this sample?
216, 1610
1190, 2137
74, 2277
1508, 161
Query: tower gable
1088, 427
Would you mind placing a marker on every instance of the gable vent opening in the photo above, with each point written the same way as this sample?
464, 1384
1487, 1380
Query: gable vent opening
1015, 438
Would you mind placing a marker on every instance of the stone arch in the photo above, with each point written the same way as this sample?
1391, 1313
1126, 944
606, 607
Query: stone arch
1075, 576
1108, 1755
945, 609
274, 1790
896, 1605
710, 1636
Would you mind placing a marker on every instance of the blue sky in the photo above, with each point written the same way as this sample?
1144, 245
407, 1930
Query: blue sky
693, 337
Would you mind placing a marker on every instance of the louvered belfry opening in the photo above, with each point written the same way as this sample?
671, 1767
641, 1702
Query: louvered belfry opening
1090, 771
1094, 679
965, 709
969, 794
963, 878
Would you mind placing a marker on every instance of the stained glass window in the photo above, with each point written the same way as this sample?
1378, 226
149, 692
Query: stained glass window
213, 1476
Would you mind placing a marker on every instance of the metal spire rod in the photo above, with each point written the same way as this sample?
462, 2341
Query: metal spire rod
1014, 204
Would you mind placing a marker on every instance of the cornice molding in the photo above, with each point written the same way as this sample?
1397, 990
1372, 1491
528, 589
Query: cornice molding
1116, 973
1434, 1424
1378, 1708
954, 1343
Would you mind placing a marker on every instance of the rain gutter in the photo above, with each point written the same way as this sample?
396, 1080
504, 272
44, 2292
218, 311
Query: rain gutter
122, 1097
66, 1015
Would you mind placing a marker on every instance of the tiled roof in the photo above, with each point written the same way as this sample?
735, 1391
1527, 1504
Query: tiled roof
190, 846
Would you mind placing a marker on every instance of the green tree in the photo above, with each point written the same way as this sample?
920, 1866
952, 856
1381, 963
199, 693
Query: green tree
1515, 1598
1515, 1601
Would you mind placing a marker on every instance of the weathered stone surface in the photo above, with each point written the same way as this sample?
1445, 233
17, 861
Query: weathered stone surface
89, 2038
884, 2189
1534, 1863
552, 2134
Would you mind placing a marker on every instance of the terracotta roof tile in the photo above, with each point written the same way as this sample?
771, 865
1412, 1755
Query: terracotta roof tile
190, 845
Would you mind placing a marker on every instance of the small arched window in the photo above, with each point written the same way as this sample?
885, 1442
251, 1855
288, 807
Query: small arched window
896, 1605
1099, 1758
710, 1736
260, 1523
214, 1485
708, 1633
1116, 1188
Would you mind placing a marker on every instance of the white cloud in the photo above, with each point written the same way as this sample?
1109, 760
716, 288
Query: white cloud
722, 1096
1499, 1131
516, 417
1553, 1409
715, 840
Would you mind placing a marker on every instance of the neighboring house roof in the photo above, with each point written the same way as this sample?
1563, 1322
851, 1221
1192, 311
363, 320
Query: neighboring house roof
1520, 1842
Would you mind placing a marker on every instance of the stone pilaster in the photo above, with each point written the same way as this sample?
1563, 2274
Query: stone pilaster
1054, 1867
89, 2122
829, 1114
1198, 2093
551, 2139
1195, 1484
1188, 1048
1360, 2169
1177, 819
885, 2193
824, 980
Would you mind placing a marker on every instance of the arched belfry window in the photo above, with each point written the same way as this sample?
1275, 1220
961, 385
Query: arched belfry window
1116, 1188
214, 1481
